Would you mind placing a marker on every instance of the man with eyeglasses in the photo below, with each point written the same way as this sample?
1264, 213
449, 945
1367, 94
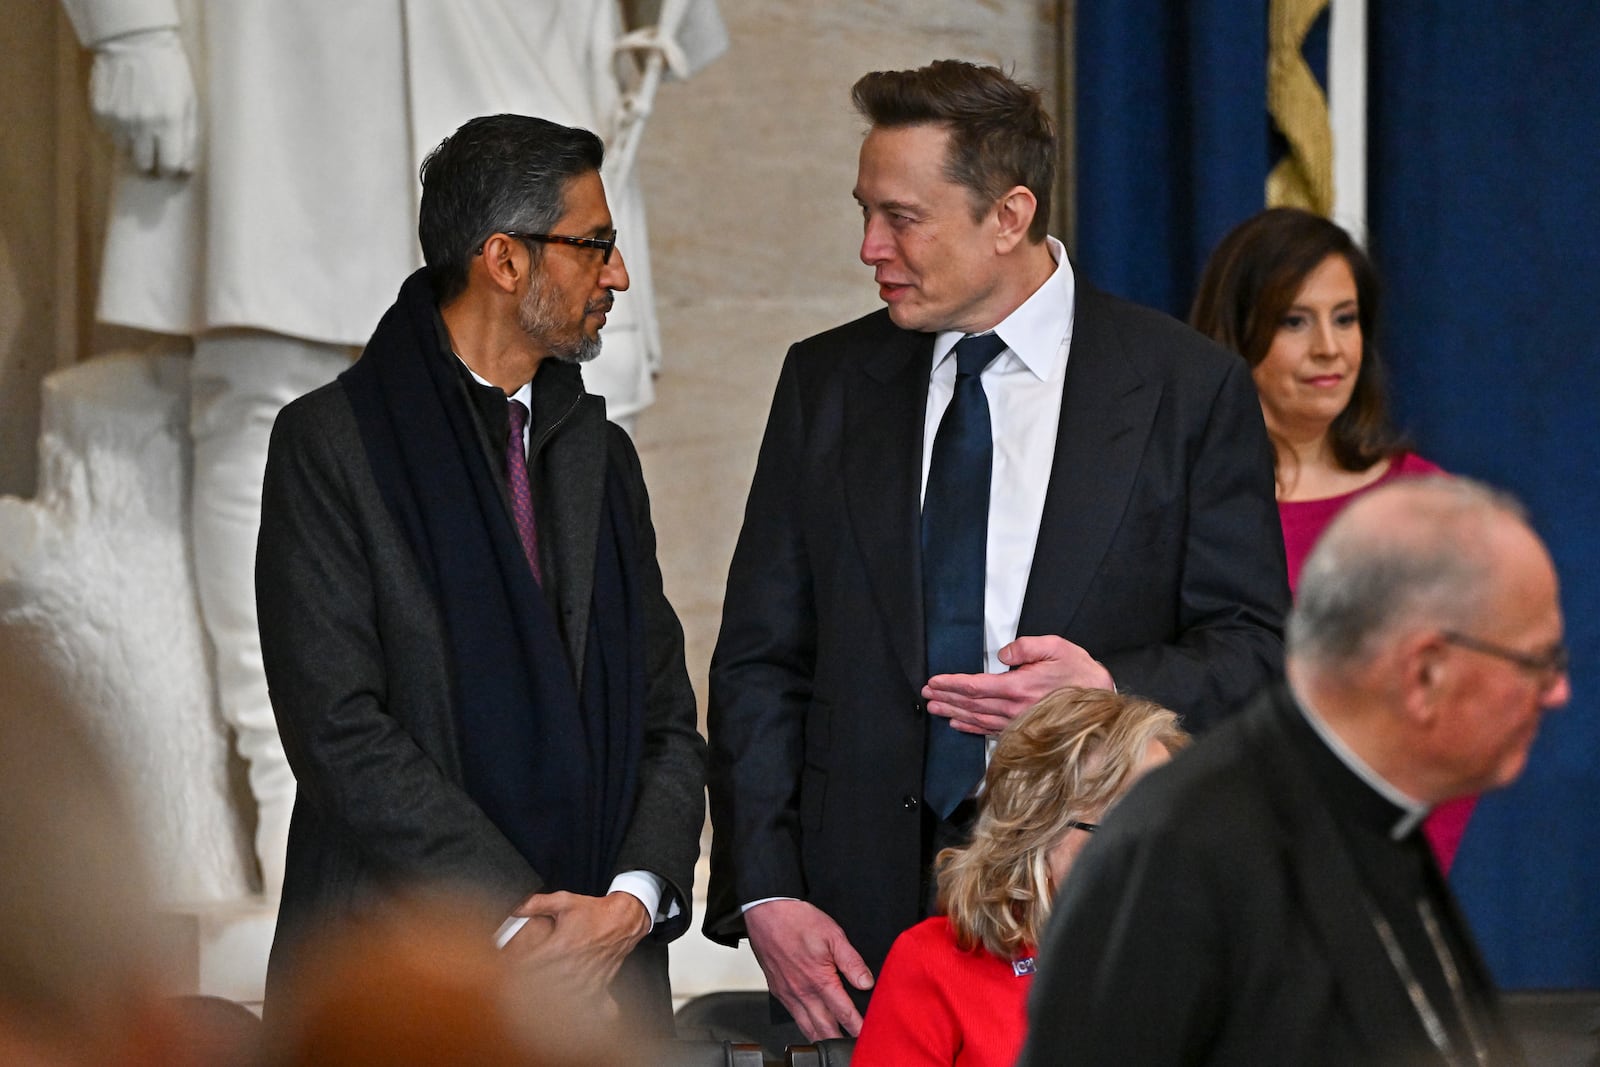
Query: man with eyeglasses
478, 679
1268, 898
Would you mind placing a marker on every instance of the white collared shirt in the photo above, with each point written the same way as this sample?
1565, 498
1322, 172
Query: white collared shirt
524, 396
1023, 386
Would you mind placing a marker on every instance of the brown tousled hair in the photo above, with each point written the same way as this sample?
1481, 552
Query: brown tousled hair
1067, 758
1248, 285
1000, 132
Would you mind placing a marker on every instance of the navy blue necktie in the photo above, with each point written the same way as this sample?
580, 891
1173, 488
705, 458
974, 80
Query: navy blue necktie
955, 528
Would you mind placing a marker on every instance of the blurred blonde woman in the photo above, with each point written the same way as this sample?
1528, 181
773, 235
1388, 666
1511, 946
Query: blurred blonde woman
954, 987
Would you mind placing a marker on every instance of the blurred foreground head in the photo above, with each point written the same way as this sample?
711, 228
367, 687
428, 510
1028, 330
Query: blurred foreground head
418, 982
78, 959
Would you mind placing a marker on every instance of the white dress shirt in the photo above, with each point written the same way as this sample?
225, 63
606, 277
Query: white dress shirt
1023, 385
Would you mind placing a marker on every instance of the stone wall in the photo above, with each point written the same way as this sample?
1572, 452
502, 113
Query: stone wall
747, 171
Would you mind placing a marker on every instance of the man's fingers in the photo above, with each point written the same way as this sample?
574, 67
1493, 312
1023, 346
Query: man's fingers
817, 1024
983, 725
1036, 649
840, 1010
964, 685
804, 953
835, 1019
850, 964
547, 904
970, 707
973, 690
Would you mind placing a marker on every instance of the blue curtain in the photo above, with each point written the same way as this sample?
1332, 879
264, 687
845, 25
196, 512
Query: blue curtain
1484, 206
1173, 139
1484, 137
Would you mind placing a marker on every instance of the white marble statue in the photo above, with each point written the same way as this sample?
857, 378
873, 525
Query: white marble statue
268, 206
98, 620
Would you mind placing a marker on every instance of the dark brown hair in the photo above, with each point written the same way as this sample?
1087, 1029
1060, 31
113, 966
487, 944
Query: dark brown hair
1252, 279
1000, 133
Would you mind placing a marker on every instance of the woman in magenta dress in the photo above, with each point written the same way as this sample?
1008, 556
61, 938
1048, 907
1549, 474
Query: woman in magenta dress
1293, 294
954, 988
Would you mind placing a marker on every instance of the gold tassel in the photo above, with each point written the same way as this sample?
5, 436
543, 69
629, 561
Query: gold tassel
1304, 177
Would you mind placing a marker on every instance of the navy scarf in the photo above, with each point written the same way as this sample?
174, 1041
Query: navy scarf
553, 765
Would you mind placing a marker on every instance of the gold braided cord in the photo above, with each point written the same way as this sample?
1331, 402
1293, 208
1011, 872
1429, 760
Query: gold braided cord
1299, 108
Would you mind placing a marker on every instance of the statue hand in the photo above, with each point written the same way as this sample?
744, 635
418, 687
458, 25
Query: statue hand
142, 93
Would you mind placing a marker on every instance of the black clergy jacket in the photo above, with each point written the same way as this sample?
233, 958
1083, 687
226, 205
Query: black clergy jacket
1224, 914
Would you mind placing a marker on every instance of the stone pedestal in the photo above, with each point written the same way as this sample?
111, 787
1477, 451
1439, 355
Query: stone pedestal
221, 949
98, 618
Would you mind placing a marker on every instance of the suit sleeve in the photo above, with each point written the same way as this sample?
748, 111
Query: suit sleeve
1233, 592
761, 683
361, 771
669, 813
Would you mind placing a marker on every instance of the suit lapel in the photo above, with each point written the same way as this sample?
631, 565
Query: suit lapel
881, 456
1107, 410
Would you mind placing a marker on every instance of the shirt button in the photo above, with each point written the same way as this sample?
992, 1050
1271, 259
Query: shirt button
909, 802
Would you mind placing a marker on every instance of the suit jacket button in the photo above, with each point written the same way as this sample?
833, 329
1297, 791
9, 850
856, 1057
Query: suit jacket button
920, 708
909, 802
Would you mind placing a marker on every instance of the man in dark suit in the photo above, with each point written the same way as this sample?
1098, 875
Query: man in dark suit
1005, 468
477, 676
1268, 898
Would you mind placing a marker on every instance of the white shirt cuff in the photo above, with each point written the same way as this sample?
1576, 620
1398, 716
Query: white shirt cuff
764, 900
645, 887
651, 891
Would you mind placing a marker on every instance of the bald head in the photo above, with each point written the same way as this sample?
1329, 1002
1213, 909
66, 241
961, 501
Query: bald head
1427, 632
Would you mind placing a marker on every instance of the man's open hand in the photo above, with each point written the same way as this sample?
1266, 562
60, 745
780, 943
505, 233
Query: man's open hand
984, 703
803, 953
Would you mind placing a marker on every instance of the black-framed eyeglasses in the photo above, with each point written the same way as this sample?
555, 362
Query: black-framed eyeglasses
1086, 827
604, 244
1548, 665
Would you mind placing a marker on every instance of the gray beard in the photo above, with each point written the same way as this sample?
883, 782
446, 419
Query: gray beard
541, 318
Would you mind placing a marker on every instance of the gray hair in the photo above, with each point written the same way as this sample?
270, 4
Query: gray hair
1365, 583
496, 173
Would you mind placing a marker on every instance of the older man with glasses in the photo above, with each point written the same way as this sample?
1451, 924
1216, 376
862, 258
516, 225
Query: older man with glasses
1268, 899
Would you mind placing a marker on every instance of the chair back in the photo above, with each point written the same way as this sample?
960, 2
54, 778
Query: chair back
689, 1052
829, 1052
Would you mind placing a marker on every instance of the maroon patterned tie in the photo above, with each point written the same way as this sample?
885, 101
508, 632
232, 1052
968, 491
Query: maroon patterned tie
521, 490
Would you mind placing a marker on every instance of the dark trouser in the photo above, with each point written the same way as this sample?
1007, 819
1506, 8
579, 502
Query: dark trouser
937, 835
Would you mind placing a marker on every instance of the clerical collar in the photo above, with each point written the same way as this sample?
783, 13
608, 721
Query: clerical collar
1412, 811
